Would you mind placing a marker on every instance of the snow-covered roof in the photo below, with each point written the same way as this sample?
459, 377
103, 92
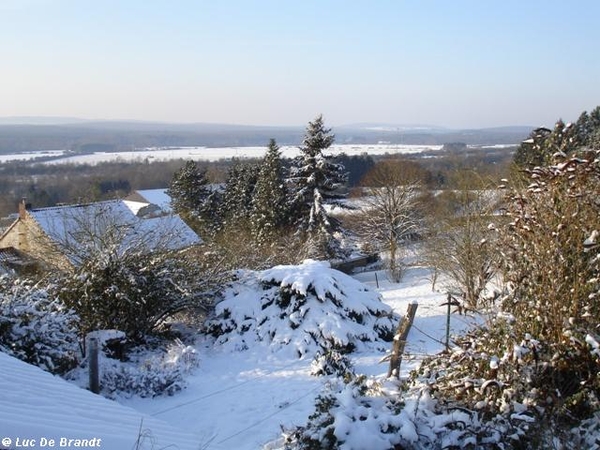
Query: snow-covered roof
82, 229
37, 405
158, 197
135, 206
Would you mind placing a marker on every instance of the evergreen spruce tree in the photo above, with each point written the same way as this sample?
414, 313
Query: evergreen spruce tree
588, 127
193, 199
269, 202
239, 190
317, 181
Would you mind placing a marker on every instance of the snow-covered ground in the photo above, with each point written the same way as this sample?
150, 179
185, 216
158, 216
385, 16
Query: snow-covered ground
233, 400
240, 400
39, 410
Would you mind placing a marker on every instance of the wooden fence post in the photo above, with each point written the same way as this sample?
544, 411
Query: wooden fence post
400, 340
93, 366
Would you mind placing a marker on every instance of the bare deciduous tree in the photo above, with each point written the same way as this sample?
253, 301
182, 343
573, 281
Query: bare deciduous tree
390, 213
458, 245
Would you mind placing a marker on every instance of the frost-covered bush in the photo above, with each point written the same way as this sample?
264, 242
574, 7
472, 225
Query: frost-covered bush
305, 308
548, 249
36, 327
146, 374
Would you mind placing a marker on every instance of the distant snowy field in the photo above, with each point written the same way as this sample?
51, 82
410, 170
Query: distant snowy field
209, 153
31, 155
217, 153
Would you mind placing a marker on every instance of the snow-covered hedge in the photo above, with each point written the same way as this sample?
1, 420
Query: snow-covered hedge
305, 308
36, 327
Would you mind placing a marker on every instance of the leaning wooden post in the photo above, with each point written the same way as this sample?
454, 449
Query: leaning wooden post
400, 340
93, 365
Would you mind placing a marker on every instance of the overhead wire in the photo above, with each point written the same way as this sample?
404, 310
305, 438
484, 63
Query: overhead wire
273, 414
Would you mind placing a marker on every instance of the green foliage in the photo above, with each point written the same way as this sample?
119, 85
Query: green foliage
236, 206
193, 198
544, 145
269, 200
317, 181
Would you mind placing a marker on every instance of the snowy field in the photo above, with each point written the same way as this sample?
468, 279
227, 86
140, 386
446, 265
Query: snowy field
217, 153
27, 156
242, 399
208, 153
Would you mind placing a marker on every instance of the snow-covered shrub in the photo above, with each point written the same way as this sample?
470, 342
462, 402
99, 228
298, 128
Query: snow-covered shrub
364, 414
146, 374
308, 307
354, 415
332, 362
36, 327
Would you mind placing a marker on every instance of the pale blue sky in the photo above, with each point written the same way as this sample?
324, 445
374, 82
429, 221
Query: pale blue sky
460, 63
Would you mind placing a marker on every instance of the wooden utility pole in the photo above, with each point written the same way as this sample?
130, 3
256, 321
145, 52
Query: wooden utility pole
400, 340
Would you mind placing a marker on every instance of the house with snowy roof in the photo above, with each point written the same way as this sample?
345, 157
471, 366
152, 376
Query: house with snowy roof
38, 409
66, 236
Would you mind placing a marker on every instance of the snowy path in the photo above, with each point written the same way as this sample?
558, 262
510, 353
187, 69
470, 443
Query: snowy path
241, 400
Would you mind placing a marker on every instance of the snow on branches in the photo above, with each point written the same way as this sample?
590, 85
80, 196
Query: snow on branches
306, 308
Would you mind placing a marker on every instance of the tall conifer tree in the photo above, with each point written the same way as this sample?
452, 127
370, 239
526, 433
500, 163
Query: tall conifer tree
269, 202
193, 199
239, 190
317, 181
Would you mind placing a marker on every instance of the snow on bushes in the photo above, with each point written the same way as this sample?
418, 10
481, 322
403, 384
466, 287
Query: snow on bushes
146, 374
467, 398
36, 327
306, 308
366, 414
